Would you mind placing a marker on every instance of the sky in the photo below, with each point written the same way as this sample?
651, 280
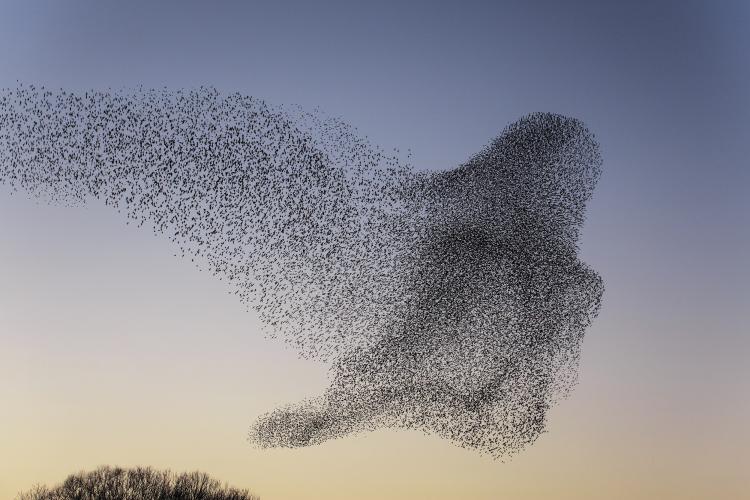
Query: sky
113, 351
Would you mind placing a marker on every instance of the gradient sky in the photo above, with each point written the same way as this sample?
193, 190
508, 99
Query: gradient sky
112, 351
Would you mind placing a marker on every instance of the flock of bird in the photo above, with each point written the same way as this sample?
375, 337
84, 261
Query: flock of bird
448, 302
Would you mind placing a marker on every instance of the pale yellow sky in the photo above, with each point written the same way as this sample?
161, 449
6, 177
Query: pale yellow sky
115, 352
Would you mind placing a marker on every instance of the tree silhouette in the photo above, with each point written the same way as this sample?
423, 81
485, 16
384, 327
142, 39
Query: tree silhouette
139, 483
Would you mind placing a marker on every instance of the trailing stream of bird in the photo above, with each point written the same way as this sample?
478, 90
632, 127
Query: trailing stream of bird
449, 302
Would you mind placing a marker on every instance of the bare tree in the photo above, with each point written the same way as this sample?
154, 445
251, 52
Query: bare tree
139, 483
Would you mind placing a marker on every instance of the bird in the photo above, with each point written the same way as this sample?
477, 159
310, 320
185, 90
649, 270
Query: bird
450, 302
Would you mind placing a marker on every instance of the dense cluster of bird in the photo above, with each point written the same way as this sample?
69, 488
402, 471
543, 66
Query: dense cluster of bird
450, 302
